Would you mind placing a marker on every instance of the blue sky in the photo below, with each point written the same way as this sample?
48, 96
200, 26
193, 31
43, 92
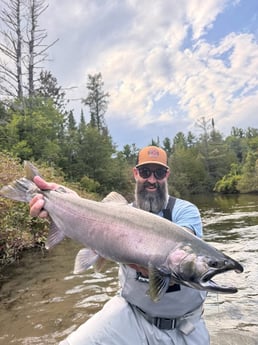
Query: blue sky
165, 63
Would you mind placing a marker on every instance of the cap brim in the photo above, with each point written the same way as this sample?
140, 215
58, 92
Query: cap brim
152, 162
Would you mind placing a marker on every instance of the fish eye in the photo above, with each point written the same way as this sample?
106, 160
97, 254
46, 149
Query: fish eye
213, 263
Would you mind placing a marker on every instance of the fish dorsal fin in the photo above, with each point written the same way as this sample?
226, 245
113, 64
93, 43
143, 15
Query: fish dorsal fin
115, 198
87, 258
30, 170
54, 237
159, 280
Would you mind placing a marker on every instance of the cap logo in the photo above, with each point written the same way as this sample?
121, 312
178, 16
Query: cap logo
153, 153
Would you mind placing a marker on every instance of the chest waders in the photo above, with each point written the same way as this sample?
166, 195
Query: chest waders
184, 324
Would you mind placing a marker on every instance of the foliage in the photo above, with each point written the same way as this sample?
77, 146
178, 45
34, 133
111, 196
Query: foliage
33, 129
243, 176
188, 174
249, 179
49, 89
229, 183
18, 230
89, 184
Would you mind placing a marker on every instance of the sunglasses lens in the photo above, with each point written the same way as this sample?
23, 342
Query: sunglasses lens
159, 173
145, 172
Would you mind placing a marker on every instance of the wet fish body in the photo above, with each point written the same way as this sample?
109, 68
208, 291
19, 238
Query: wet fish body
113, 230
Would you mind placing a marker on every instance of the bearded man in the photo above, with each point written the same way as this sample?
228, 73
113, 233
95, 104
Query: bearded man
131, 317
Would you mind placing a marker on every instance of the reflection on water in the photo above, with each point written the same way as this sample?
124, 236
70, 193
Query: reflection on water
42, 301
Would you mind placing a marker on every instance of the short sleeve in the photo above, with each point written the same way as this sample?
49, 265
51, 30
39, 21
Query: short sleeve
187, 215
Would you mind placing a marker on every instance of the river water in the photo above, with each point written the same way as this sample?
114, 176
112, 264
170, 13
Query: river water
42, 301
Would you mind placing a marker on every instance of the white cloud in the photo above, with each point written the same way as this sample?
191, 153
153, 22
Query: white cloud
201, 15
152, 52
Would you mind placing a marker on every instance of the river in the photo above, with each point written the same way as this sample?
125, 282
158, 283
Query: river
42, 301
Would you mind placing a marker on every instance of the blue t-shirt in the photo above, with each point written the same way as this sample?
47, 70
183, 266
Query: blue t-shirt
187, 215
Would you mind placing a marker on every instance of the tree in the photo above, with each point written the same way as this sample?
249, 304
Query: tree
93, 157
205, 126
189, 175
37, 49
68, 159
97, 100
49, 88
237, 132
167, 146
4, 119
228, 183
190, 139
34, 130
238, 145
249, 179
130, 153
22, 46
11, 48
179, 140
214, 152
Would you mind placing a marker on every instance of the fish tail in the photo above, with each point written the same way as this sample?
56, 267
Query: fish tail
23, 189
20, 190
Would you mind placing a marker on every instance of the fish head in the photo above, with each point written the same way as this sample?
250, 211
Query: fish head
197, 268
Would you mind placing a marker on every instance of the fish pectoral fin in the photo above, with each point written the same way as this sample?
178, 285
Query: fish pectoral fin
54, 237
159, 280
115, 198
175, 278
86, 258
99, 264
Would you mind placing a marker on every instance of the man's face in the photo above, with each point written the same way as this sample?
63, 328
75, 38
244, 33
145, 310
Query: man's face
151, 188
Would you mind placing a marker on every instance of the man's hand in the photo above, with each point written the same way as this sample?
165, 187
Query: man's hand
144, 271
37, 203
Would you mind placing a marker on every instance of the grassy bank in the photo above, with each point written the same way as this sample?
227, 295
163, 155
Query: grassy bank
19, 231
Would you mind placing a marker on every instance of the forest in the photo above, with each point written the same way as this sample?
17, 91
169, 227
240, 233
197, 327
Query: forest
36, 125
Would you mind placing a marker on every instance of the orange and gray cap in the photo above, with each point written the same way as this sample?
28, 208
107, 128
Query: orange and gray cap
152, 155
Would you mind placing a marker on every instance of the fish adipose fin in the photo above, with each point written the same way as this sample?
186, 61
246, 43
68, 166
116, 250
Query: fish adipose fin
86, 258
159, 280
115, 198
54, 237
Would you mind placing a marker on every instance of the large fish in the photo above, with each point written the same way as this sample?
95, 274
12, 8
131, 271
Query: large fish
114, 230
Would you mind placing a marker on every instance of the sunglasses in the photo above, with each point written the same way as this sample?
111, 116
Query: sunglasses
158, 173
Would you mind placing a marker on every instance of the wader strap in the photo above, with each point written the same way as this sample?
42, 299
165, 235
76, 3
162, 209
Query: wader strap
159, 322
167, 212
186, 323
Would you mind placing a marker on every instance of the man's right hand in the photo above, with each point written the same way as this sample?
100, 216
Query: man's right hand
37, 203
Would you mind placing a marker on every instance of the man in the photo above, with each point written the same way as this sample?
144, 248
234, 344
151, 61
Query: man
131, 317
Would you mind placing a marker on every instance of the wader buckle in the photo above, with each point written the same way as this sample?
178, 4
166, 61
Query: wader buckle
159, 322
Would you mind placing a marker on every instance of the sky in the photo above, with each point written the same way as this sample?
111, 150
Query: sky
165, 63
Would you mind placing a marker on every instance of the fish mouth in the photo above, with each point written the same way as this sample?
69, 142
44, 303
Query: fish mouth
208, 284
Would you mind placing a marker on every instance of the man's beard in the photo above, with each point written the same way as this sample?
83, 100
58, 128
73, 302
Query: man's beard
151, 201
